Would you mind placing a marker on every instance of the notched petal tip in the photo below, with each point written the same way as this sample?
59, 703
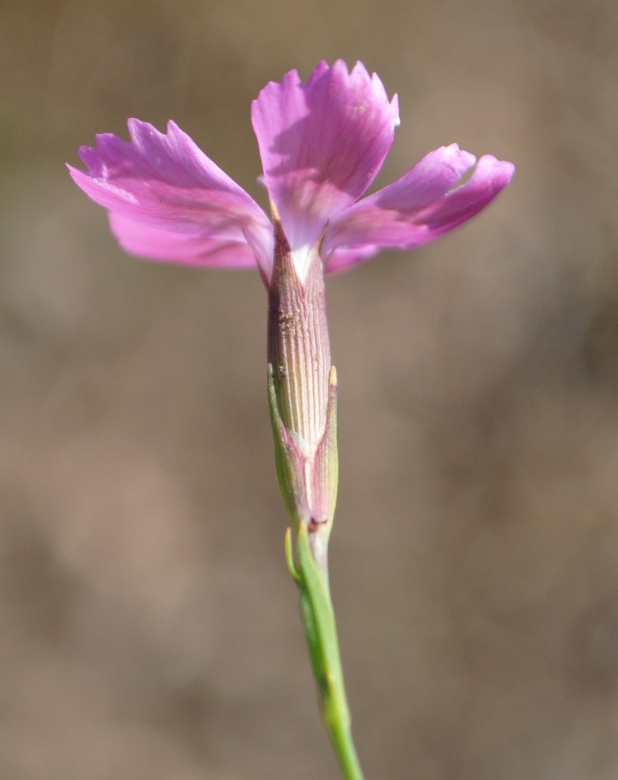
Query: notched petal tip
322, 143
487, 176
500, 171
459, 160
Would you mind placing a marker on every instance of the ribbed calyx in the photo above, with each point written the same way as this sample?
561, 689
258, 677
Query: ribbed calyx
302, 390
298, 344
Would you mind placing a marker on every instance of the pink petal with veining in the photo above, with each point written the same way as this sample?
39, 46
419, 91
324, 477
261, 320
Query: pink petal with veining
422, 205
322, 143
157, 243
163, 184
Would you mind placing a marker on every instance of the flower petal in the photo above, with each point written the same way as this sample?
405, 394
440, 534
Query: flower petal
423, 204
156, 243
322, 144
164, 185
345, 257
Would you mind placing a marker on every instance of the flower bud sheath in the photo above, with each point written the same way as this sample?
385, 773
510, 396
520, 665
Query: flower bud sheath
299, 356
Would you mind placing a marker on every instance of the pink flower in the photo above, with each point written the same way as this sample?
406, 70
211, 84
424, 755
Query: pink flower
322, 144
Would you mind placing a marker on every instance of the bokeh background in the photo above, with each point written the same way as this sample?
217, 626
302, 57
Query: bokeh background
148, 626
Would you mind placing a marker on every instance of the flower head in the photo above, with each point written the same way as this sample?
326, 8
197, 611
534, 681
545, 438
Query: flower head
322, 143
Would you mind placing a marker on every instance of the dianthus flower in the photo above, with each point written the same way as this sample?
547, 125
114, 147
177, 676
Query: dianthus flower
322, 144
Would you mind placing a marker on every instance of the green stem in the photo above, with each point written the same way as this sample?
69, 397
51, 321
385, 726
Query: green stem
321, 632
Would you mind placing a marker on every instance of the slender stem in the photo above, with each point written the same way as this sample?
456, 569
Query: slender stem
318, 619
346, 752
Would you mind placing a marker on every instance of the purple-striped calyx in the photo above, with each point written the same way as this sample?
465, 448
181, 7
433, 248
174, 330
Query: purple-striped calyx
302, 389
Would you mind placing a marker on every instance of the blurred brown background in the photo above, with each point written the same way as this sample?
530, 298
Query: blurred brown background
148, 627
